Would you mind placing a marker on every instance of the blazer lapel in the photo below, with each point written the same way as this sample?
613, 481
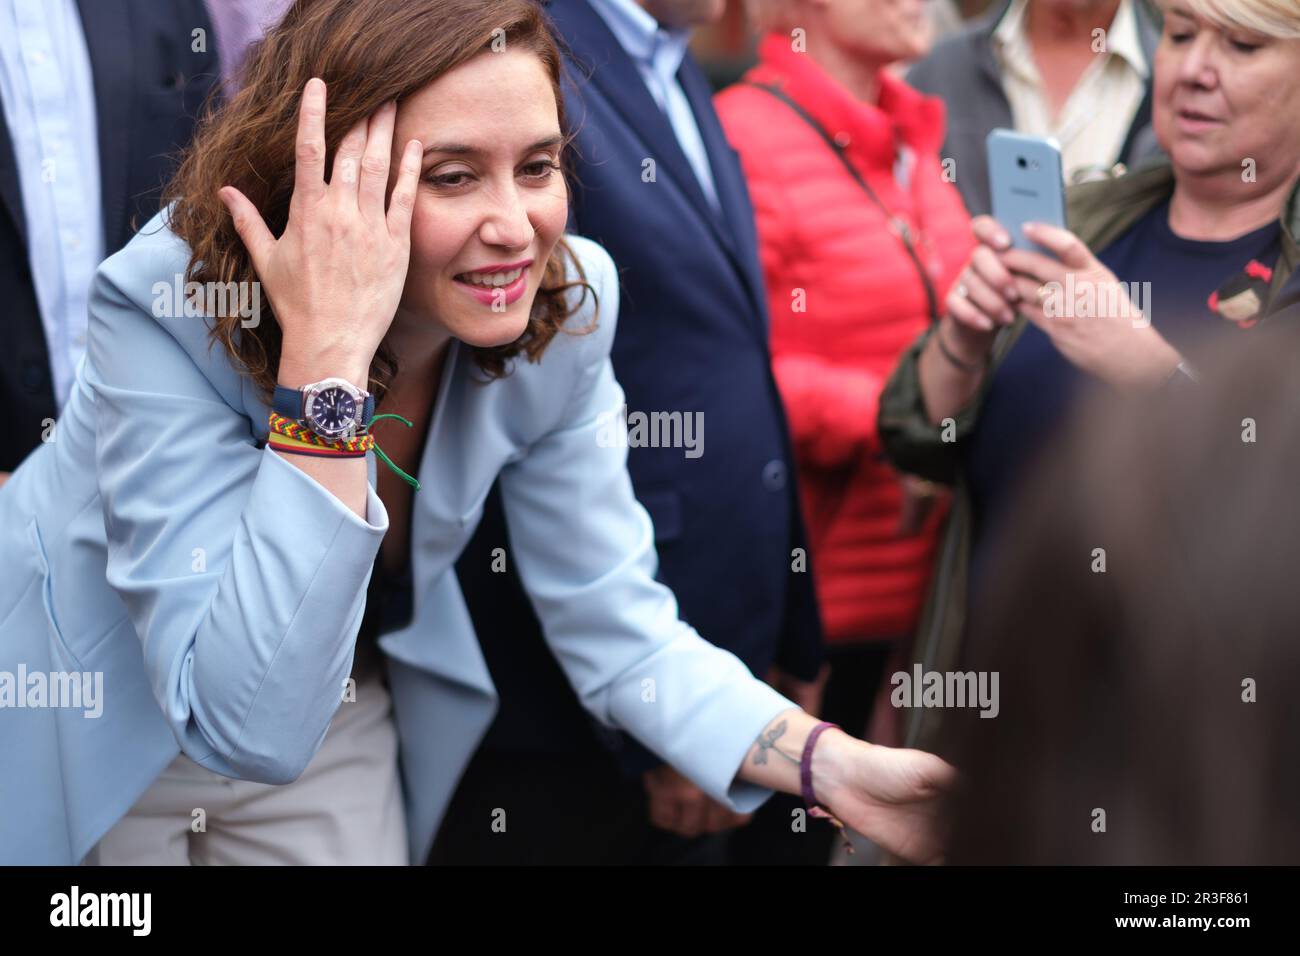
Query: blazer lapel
990, 74
734, 226
108, 25
441, 637
606, 65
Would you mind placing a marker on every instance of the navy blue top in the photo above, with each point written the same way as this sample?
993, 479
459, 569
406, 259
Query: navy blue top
1035, 386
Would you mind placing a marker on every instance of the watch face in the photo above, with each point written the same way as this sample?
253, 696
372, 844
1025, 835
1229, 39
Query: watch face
333, 411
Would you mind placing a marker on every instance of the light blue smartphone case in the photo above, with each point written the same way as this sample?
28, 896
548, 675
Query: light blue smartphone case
1026, 183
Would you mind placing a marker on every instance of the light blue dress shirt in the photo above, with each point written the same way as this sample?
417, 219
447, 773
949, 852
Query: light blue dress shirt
49, 106
658, 54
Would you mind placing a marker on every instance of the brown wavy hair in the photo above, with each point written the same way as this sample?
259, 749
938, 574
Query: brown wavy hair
367, 52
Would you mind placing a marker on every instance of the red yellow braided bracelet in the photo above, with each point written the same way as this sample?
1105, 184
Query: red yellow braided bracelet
295, 438
302, 435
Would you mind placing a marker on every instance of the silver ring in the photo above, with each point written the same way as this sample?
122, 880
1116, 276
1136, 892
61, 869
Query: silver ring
960, 290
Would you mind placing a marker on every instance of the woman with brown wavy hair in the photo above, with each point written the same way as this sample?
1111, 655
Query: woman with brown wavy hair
372, 224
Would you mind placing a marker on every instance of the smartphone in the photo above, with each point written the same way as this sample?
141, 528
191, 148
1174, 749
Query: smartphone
1026, 182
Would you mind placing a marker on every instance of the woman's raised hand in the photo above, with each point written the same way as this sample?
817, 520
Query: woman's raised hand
335, 277
1087, 312
985, 297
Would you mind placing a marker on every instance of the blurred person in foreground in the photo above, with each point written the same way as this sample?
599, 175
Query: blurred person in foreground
1076, 70
860, 237
1148, 713
1194, 250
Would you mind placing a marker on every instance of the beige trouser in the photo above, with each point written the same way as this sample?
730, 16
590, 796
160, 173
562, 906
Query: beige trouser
346, 808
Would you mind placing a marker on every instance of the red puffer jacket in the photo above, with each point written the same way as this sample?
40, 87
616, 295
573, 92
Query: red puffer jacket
845, 300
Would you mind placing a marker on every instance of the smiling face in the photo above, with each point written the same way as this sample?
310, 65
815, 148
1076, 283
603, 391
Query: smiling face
491, 202
1225, 96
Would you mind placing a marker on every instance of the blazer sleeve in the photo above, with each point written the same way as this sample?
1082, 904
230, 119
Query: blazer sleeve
585, 552
911, 442
244, 578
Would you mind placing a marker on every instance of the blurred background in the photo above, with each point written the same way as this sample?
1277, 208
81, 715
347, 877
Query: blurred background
726, 49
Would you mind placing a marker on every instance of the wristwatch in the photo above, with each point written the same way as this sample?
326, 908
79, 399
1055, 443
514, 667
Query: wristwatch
332, 407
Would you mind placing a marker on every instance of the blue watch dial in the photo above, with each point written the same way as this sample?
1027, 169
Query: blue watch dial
332, 411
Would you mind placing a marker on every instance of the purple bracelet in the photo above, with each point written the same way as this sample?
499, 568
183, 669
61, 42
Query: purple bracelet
805, 764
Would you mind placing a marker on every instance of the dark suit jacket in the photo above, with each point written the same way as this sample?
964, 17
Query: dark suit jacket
148, 89
692, 337
962, 70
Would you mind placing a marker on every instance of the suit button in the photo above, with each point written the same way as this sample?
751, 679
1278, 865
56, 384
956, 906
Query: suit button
33, 376
774, 475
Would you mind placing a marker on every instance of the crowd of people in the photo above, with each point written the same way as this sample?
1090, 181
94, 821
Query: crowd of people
340, 562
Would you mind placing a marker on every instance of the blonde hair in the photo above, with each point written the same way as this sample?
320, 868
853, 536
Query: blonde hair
1279, 19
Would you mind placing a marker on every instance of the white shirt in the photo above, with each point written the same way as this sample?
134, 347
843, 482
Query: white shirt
1095, 120
49, 106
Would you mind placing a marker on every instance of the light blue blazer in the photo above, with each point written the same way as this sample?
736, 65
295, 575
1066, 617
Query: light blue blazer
218, 590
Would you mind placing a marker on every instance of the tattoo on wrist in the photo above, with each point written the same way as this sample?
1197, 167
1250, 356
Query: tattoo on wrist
767, 741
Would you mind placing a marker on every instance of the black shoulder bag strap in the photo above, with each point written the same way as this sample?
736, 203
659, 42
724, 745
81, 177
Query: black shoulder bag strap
904, 233
896, 225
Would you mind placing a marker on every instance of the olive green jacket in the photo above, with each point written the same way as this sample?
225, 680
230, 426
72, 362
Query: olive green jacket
1098, 213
